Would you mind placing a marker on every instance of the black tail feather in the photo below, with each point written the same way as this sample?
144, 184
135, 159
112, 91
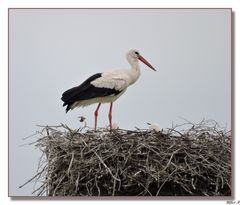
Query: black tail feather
68, 108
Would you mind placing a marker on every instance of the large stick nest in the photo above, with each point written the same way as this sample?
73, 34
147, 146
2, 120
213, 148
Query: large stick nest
175, 162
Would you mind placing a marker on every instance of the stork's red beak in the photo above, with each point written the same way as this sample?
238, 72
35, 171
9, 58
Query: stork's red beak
146, 62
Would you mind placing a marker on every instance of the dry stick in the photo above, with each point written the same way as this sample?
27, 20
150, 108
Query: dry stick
70, 165
99, 192
114, 185
173, 130
60, 181
44, 126
24, 138
33, 177
76, 183
192, 181
39, 188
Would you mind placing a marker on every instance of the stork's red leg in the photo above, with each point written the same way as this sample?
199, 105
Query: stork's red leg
110, 115
96, 115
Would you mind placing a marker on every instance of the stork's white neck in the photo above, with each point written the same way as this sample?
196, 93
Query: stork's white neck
134, 72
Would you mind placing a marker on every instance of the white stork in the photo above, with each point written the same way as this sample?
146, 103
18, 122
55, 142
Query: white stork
105, 87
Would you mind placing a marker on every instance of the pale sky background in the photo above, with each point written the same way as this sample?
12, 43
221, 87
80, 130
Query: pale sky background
54, 50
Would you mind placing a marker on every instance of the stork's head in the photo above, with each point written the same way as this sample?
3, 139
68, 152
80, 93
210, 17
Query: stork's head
133, 55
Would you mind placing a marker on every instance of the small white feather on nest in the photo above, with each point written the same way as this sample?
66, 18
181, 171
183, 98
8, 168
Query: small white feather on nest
115, 126
154, 127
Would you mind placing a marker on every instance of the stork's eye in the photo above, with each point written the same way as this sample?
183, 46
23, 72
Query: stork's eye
136, 53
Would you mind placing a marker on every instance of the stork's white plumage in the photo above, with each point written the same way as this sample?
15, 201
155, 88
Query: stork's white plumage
105, 87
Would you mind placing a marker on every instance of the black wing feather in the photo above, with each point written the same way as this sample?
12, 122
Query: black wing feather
86, 91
